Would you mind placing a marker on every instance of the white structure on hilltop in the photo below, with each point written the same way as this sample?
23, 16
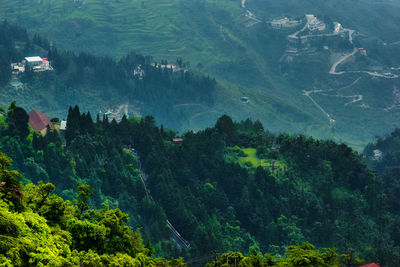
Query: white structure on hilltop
378, 155
139, 72
338, 27
315, 24
284, 23
35, 63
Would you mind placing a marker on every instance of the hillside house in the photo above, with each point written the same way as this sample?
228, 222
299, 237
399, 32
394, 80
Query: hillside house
177, 140
284, 23
139, 72
244, 99
337, 26
39, 122
314, 24
35, 63
378, 155
370, 265
172, 67
18, 67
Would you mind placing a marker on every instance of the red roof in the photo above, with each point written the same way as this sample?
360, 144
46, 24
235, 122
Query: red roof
370, 265
177, 140
39, 121
364, 51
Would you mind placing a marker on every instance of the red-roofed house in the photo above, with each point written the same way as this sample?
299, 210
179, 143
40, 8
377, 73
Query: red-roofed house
177, 140
38, 121
370, 265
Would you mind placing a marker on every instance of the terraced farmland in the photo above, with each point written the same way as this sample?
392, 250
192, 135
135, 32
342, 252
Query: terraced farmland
233, 42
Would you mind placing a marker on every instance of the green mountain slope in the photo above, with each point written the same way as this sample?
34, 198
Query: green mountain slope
232, 187
238, 46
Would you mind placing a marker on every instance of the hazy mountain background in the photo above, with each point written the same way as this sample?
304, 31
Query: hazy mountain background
234, 42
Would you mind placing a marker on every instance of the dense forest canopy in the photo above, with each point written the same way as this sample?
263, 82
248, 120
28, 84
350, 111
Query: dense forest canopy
40, 228
232, 187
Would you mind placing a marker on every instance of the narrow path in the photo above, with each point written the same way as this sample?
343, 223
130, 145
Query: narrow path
307, 94
355, 98
179, 240
199, 114
350, 85
341, 60
294, 35
252, 16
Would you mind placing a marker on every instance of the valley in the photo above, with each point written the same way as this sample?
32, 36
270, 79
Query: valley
200, 133
259, 49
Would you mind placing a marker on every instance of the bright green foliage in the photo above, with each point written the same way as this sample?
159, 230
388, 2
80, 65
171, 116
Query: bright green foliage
305, 255
48, 231
84, 193
302, 255
10, 185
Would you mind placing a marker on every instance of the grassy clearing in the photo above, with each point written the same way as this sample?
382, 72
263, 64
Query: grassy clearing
247, 157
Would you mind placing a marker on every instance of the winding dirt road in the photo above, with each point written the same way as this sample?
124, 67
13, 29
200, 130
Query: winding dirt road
341, 60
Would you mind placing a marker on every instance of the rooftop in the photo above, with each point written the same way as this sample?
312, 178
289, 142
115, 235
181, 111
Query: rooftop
38, 121
33, 59
370, 265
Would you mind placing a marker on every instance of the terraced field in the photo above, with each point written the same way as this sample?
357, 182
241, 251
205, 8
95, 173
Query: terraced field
232, 41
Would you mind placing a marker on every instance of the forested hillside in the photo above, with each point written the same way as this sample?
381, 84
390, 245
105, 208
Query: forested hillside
383, 156
39, 228
134, 84
232, 187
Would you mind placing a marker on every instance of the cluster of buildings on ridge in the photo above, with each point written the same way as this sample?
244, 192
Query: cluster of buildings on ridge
35, 63
284, 23
315, 24
40, 122
139, 72
362, 51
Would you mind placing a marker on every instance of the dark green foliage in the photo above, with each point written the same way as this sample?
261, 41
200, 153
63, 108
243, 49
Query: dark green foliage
17, 120
316, 190
10, 185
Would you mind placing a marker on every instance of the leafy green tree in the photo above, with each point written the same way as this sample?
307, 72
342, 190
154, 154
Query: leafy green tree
10, 185
82, 202
227, 128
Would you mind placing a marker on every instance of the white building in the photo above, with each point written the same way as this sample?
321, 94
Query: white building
338, 27
33, 61
284, 23
315, 24
63, 125
377, 154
